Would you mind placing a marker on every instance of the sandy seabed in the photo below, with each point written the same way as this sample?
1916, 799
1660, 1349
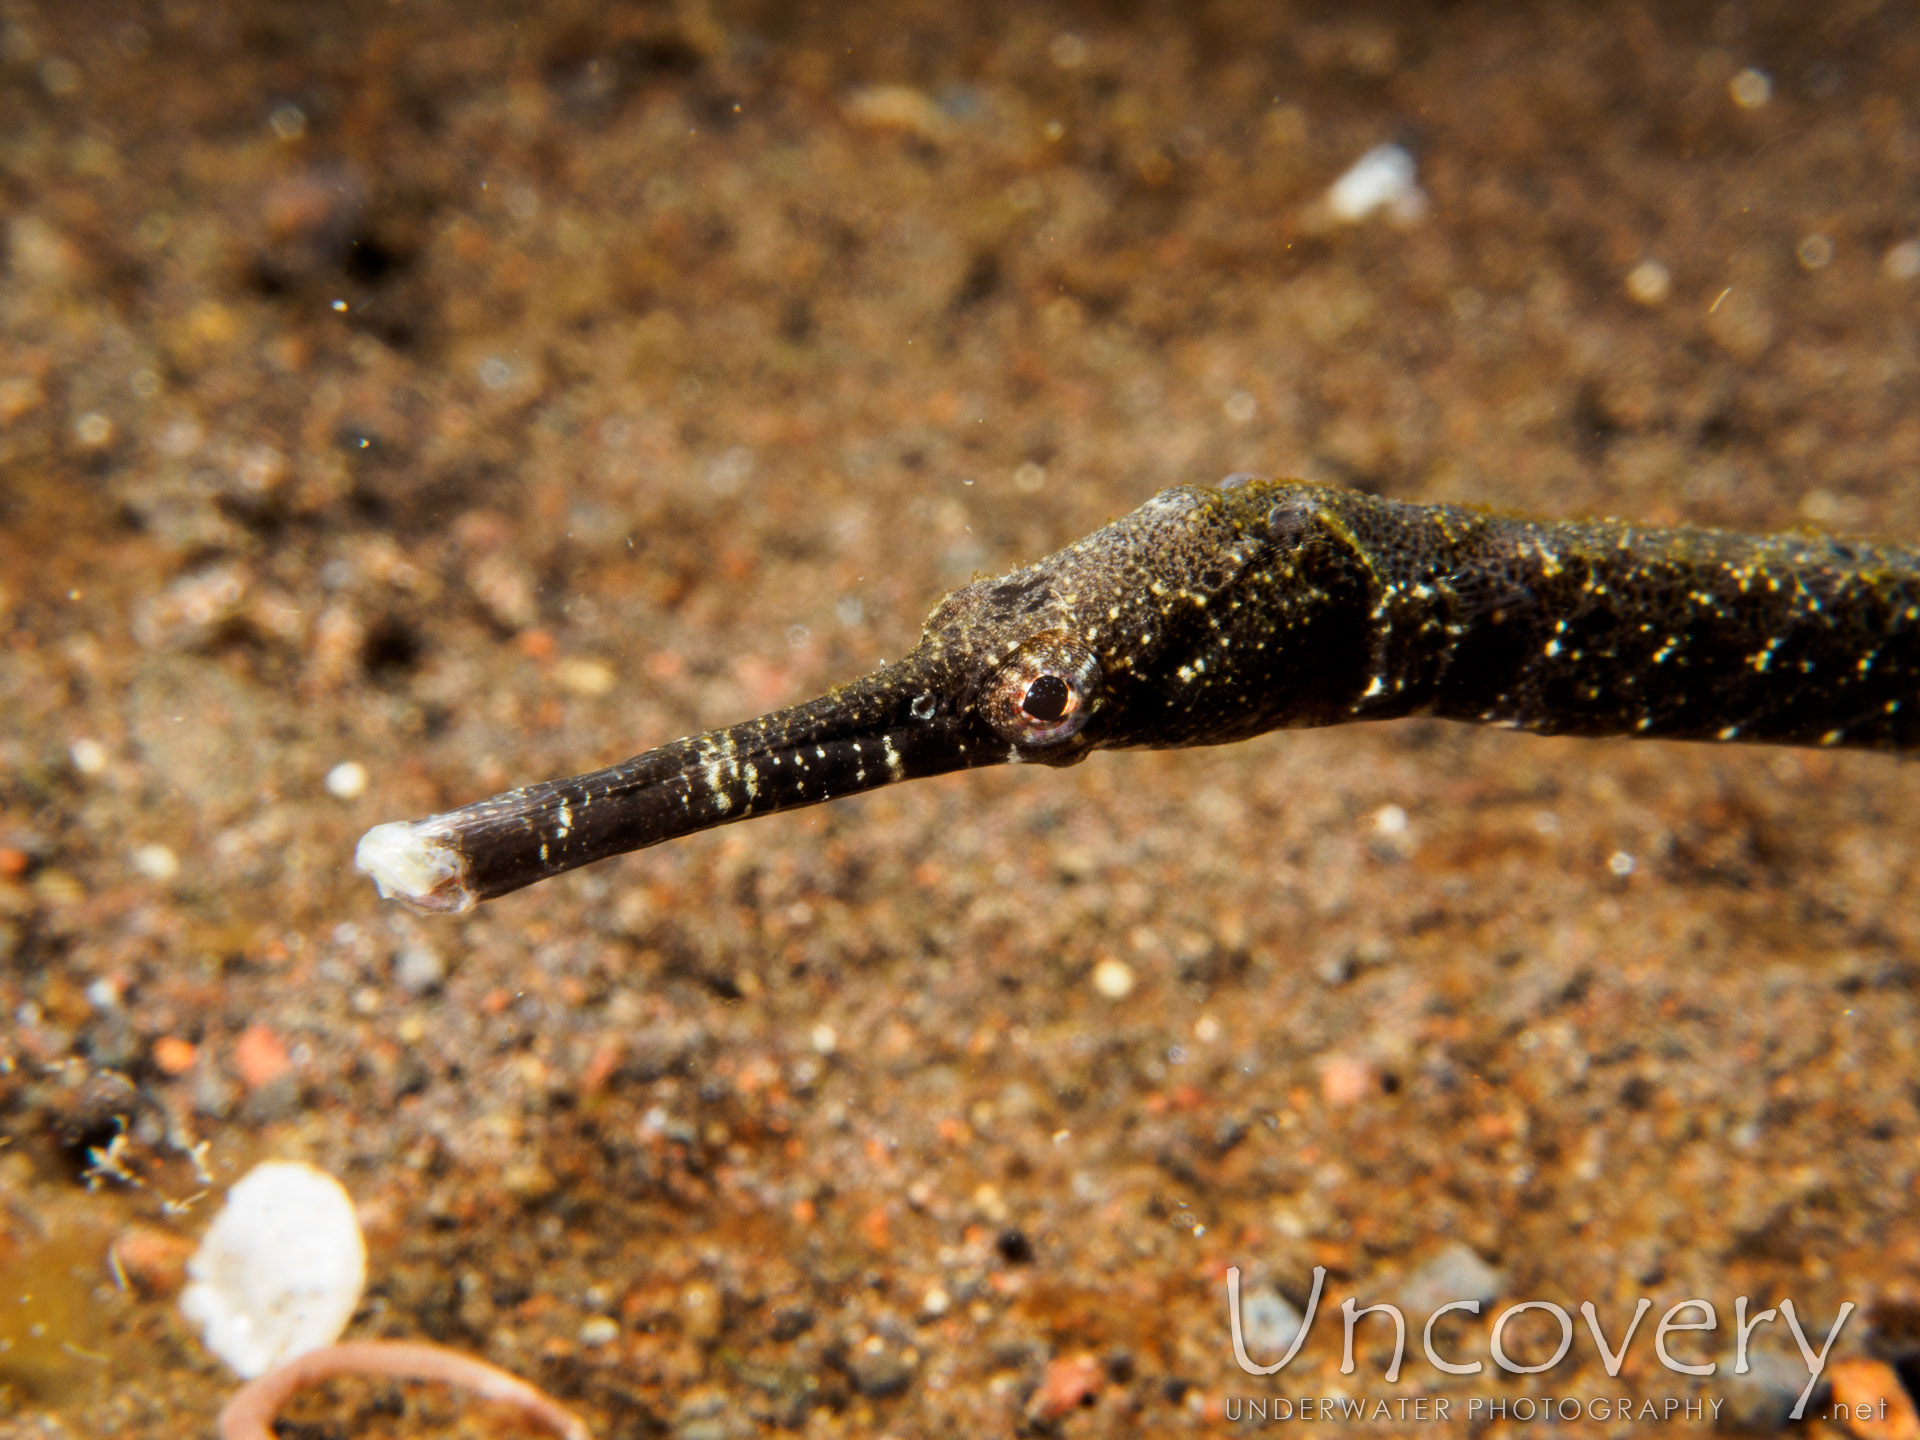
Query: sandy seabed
403, 401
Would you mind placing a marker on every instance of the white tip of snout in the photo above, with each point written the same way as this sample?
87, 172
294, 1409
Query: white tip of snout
412, 865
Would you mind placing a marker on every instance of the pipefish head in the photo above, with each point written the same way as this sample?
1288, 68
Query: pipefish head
1105, 643
1122, 639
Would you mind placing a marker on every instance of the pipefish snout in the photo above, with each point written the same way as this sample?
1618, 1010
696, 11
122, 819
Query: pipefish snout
1212, 615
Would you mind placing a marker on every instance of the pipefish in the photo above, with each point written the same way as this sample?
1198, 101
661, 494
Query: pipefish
1211, 615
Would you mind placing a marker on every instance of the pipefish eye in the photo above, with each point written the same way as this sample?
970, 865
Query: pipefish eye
1044, 695
1049, 699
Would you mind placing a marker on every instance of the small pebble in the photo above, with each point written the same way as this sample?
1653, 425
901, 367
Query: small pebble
153, 1260
599, 1330
1070, 1382
935, 1302
1649, 283
260, 1056
588, 679
824, 1038
192, 610
59, 887
506, 590
1621, 863
706, 1415
1337, 968
347, 780
1902, 261
1345, 1080
1113, 979
89, 756
896, 107
879, 1372
288, 121
529, 1180
1751, 89
156, 862
1381, 179
173, 1055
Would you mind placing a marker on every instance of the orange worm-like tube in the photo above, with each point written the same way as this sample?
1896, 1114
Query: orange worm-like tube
249, 1414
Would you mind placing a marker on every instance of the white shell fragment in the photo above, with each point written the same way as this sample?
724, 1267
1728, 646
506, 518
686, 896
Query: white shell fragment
279, 1271
1381, 179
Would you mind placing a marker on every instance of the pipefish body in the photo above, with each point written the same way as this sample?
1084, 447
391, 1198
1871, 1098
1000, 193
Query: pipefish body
1212, 615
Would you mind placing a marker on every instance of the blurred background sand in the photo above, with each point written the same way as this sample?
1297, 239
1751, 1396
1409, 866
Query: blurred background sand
403, 401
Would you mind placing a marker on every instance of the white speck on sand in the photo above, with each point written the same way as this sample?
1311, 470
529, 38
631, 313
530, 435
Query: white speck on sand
347, 780
1381, 179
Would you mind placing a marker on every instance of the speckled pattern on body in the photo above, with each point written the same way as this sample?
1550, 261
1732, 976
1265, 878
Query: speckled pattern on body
1208, 616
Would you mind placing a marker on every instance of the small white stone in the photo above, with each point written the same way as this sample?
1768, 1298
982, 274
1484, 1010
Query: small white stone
347, 780
156, 862
825, 1038
1381, 179
599, 1330
936, 1302
1902, 262
1113, 979
1390, 820
1751, 89
1620, 863
1206, 1029
89, 756
279, 1271
1649, 283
